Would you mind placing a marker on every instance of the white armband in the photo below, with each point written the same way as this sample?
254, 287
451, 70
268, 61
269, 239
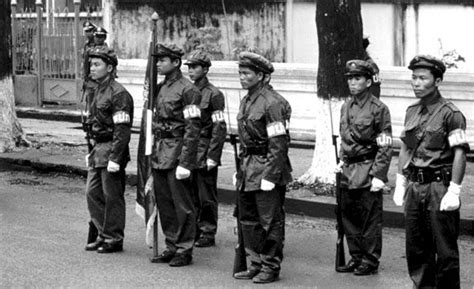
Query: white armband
384, 140
275, 129
121, 117
457, 137
217, 116
191, 111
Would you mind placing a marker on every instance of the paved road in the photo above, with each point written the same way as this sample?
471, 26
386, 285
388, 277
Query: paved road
43, 221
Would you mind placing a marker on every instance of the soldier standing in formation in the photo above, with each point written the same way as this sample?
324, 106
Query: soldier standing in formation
430, 170
376, 82
211, 142
177, 123
100, 34
366, 151
88, 84
109, 125
265, 169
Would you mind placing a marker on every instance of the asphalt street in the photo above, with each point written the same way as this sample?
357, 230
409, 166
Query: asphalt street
44, 224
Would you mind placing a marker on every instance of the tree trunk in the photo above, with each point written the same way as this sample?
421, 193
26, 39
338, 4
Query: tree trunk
11, 133
339, 26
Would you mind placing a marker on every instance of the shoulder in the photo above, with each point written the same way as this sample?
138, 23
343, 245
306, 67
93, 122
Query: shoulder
378, 103
413, 107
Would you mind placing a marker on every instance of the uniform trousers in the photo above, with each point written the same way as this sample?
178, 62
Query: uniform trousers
431, 237
361, 212
106, 203
176, 209
205, 184
262, 220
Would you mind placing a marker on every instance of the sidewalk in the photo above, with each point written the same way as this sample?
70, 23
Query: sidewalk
60, 146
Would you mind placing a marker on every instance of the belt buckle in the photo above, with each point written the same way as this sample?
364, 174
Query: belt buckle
420, 178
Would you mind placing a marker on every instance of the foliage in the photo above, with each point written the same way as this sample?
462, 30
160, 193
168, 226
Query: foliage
318, 188
206, 38
452, 58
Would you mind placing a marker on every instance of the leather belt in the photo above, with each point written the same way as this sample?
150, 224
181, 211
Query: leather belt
427, 175
361, 158
160, 134
254, 150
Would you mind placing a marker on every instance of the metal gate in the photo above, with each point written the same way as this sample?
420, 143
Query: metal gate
47, 48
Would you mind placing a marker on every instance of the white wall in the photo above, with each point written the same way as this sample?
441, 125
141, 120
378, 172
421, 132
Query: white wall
304, 34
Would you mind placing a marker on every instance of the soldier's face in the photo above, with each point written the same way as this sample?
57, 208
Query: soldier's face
165, 65
99, 69
358, 84
249, 78
196, 71
423, 82
99, 40
89, 35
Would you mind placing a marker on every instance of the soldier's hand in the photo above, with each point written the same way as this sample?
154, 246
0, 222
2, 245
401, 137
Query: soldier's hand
210, 164
450, 201
400, 189
266, 185
113, 167
182, 173
338, 168
377, 185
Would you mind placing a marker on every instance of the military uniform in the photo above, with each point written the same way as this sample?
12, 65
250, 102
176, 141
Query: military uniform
264, 142
366, 151
177, 125
109, 123
376, 81
88, 84
211, 143
433, 129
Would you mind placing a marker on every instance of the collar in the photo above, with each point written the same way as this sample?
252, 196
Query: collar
173, 76
103, 83
255, 92
201, 83
362, 98
432, 102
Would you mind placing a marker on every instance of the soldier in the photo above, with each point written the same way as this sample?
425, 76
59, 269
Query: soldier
109, 124
88, 85
366, 151
177, 124
430, 170
211, 142
100, 35
376, 82
265, 169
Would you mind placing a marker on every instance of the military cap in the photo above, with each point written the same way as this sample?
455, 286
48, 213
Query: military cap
256, 61
88, 26
100, 32
358, 67
199, 57
105, 53
429, 62
171, 50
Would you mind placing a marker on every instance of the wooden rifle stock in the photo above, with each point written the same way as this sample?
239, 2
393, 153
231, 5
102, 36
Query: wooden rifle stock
340, 255
240, 258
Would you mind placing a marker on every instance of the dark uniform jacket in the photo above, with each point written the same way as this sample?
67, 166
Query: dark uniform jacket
176, 123
110, 121
362, 122
431, 136
213, 130
264, 138
85, 55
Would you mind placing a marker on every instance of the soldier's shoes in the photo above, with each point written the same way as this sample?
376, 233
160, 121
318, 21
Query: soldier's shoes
164, 257
266, 277
366, 269
180, 260
247, 275
349, 267
94, 245
205, 242
110, 248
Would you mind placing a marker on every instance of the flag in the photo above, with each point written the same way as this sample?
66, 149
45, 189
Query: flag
145, 201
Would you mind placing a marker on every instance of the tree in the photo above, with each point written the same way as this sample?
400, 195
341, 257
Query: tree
339, 27
11, 133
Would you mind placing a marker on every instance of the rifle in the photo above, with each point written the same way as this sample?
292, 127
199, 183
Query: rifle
340, 255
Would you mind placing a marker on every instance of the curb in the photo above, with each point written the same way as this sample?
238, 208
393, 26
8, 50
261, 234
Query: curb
392, 219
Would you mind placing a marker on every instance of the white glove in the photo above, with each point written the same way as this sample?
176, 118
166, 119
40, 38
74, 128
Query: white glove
113, 167
266, 185
400, 189
338, 168
210, 164
87, 160
450, 201
182, 173
377, 185
234, 179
